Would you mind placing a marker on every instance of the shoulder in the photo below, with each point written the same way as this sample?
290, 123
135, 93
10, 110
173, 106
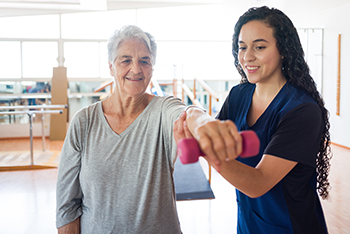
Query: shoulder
299, 108
165, 99
168, 108
298, 135
292, 99
166, 102
239, 96
88, 110
233, 102
305, 115
241, 90
304, 120
242, 87
297, 94
86, 113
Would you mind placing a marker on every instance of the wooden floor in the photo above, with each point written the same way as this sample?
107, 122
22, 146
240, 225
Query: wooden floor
27, 198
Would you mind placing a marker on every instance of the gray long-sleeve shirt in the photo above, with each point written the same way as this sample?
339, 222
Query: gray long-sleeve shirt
120, 183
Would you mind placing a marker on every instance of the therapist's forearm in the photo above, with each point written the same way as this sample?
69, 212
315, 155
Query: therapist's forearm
70, 228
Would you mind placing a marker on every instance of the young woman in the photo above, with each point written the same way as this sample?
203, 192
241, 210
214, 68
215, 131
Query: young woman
278, 99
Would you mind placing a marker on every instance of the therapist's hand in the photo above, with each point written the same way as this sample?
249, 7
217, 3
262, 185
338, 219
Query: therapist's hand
219, 140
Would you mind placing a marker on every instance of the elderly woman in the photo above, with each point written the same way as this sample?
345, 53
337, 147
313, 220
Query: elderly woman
117, 162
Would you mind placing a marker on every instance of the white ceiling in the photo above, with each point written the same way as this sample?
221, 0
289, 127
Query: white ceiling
35, 7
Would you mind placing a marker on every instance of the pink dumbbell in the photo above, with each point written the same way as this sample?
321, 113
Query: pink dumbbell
188, 149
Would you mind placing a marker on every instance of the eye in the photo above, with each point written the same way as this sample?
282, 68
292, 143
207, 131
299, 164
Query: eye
241, 48
260, 47
126, 61
145, 62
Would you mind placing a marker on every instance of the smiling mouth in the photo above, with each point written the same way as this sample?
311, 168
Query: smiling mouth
133, 79
251, 68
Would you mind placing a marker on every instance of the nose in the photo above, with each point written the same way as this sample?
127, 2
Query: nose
136, 68
249, 55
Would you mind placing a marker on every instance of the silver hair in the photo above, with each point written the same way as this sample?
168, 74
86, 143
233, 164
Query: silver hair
129, 32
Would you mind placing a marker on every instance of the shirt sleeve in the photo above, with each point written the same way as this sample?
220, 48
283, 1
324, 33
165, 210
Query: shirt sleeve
222, 115
172, 108
298, 135
68, 190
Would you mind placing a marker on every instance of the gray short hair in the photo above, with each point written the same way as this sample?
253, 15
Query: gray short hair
130, 32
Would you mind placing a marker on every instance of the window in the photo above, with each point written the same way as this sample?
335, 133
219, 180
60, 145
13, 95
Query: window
42, 26
206, 60
312, 42
39, 58
82, 59
10, 59
104, 69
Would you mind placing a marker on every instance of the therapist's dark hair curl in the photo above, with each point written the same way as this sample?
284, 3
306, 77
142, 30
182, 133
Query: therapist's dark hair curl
296, 71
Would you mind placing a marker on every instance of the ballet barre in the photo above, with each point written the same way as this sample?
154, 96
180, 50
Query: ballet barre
35, 109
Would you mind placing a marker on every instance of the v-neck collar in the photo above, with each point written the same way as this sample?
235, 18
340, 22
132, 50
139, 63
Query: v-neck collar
131, 126
267, 110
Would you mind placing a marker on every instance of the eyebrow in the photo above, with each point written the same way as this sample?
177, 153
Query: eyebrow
128, 56
257, 40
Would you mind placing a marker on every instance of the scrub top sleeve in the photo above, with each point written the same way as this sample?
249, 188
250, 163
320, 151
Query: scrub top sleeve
68, 190
222, 115
297, 137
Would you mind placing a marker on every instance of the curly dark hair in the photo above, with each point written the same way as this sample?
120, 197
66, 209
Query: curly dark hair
296, 71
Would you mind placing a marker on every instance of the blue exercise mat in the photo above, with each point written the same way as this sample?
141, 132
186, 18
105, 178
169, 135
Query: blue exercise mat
191, 182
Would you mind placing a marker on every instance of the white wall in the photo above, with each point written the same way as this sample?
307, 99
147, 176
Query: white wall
22, 130
334, 21
337, 21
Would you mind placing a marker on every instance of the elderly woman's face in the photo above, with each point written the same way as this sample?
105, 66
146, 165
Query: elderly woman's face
132, 68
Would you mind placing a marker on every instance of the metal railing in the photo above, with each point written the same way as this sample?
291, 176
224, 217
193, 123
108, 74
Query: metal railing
31, 112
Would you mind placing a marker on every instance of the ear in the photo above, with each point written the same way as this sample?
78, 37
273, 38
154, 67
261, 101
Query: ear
111, 70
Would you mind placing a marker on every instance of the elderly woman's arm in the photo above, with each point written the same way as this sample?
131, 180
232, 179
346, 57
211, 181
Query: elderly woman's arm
68, 190
70, 228
219, 140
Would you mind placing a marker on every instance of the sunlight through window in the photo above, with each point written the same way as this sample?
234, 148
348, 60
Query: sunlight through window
39, 58
10, 59
82, 59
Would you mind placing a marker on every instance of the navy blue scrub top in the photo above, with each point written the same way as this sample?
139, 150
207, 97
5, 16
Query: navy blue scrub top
290, 128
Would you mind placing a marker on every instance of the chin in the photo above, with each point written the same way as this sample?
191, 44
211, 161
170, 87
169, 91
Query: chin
252, 81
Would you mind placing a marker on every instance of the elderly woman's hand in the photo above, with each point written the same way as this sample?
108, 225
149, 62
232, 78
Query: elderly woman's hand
180, 129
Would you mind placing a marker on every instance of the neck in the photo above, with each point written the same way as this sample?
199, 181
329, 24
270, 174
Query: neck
267, 91
127, 106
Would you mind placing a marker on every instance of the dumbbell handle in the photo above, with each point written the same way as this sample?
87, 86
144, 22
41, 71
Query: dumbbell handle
189, 151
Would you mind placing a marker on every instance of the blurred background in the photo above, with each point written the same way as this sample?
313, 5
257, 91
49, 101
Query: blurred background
193, 37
